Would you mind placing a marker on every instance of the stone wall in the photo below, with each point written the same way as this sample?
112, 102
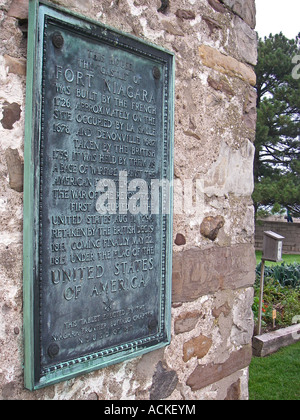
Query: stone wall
290, 231
212, 322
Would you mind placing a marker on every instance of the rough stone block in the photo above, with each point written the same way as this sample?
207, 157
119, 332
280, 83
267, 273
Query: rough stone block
186, 322
16, 65
245, 9
221, 85
164, 383
205, 375
232, 173
226, 64
234, 391
250, 114
196, 347
217, 6
210, 227
19, 9
198, 273
11, 114
15, 167
245, 37
224, 309
180, 239
266, 344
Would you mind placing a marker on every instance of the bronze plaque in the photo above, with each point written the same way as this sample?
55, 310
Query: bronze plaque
101, 167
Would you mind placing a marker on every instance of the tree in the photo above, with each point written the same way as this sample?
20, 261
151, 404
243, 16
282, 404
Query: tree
276, 164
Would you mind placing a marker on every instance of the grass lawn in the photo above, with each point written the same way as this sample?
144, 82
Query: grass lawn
276, 377
288, 259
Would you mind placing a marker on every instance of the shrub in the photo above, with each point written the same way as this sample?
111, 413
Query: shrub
285, 274
281, 292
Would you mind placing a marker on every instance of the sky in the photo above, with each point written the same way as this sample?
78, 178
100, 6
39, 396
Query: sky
274, 16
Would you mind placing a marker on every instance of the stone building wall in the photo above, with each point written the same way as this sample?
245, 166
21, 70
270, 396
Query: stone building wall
213, 270
290, 232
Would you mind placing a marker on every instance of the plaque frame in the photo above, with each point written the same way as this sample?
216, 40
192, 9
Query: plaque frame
34, 377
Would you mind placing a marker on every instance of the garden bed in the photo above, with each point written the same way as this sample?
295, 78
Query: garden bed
281, 293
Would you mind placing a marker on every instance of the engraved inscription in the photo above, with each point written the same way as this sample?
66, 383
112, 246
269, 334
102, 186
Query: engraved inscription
102, 250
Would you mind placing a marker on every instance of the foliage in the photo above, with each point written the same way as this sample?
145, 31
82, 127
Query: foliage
284, 274
281, 292
276, 166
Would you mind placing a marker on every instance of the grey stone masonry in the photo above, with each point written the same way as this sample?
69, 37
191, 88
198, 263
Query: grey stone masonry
290, 231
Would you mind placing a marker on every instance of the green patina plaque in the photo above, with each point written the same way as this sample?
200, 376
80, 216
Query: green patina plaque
98, 196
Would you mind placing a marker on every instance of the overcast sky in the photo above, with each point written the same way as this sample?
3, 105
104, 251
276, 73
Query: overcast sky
274, 16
